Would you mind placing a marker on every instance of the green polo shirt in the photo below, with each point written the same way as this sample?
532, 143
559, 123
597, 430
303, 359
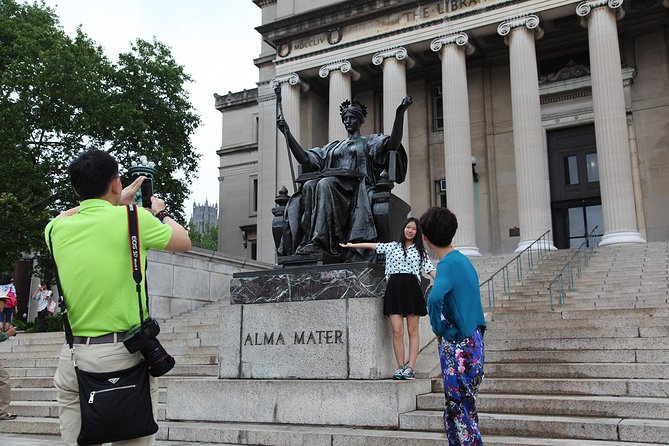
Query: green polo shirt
92, 252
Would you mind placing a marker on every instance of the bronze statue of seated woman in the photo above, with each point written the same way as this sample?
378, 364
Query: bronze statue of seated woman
334, 202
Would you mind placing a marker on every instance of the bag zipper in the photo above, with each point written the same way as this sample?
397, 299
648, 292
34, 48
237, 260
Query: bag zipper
92, 396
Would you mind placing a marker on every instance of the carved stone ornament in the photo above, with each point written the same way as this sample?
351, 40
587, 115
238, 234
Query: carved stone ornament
459, 39
584, 8
342, 65
290, 78
570, 71
399, 53
531, 22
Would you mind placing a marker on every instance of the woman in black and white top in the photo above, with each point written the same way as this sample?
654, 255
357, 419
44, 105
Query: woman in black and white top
405, 259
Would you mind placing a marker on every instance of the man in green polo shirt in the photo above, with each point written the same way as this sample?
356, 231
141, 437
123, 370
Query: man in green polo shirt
91, 248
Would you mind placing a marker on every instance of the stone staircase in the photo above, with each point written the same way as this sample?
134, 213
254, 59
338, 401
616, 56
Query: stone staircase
594, 373
31, 360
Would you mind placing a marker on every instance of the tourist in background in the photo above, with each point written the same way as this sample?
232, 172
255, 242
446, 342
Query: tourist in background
43, 295
456, 316
405, 259
7, 314
5, 387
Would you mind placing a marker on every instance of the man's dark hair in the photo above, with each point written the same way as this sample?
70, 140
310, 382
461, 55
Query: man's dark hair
91, 172
439, 226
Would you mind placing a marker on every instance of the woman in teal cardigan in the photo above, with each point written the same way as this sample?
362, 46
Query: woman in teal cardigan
456, 316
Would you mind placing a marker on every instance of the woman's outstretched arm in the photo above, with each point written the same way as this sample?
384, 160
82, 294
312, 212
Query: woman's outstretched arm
358, 245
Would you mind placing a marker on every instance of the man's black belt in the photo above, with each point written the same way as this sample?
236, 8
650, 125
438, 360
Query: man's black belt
109, 338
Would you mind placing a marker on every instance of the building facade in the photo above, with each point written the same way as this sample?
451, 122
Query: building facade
204, 215
527, 115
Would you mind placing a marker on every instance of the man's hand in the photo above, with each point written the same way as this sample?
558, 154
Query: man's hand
11, 332
129, 192
157, 204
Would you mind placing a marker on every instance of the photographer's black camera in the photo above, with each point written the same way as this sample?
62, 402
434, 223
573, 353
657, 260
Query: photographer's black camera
142, 338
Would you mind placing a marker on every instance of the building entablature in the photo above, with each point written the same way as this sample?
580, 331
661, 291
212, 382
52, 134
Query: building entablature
407, 25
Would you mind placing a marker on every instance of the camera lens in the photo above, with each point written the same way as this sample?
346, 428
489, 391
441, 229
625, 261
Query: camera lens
157, 358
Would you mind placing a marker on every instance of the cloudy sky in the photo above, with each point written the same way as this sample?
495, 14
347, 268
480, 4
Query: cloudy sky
214, 40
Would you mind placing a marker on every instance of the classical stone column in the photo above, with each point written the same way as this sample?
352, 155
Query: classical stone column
341, 74
528, 135
291, 87
394, 63
608, 101
452, 50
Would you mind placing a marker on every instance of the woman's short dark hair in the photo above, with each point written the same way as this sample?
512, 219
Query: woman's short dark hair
91, 172
439, 226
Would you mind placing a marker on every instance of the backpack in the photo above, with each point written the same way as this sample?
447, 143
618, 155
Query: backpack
11, 302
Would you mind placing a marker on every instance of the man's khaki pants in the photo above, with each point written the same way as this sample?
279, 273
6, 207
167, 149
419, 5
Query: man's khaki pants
92, 358
5, 390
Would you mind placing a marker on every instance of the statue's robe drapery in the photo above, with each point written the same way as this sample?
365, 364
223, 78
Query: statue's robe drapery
334, 203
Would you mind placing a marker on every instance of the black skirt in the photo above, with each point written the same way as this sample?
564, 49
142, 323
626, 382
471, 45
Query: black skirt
404, 296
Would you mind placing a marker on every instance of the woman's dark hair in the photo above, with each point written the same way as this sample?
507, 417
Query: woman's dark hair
439, 226
91, 172
417, 240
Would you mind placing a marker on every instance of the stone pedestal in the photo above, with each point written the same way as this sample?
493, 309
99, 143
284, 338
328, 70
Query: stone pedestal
307, 323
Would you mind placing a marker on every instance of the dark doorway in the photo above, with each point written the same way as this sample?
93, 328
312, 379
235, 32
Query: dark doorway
576, 203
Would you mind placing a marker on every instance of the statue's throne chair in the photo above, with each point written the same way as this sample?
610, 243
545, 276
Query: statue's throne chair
389, 211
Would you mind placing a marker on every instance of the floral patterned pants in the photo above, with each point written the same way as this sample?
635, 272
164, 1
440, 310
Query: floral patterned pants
462, 370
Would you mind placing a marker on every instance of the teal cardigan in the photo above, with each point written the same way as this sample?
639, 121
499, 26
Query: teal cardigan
454, 304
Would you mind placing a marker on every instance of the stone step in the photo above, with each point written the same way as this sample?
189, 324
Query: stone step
570, 386
522, 425
578, 344
286, 435
49, 409
561, 405
579, 370
603, 322
31, 372
233, 434
590, 313
31, 382
577, 356
34, 394
572, 332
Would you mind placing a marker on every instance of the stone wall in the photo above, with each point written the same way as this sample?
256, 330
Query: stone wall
180, 282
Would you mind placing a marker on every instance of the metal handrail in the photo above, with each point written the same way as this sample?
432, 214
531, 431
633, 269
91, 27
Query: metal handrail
588, 248
541, 249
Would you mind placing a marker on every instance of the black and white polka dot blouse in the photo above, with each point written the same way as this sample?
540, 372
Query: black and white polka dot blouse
397, 263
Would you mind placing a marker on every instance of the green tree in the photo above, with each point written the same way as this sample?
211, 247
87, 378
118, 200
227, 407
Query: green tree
207, 239
60, 95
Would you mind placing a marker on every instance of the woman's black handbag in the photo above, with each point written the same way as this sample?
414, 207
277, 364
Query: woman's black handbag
115, 406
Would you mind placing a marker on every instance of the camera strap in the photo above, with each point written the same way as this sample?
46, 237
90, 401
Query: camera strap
133, 235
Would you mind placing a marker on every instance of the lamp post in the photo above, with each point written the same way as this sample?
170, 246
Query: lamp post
143, 168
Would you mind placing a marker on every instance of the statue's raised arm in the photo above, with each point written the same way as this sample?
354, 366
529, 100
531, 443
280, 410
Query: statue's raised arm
398, 124
295, 147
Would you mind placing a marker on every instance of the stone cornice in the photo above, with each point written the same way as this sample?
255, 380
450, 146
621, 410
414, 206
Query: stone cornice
263, 3
240, 99
530, 22
459, 39
342, 65
399, 53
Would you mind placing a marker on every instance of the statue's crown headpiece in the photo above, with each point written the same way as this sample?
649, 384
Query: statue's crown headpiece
354, 106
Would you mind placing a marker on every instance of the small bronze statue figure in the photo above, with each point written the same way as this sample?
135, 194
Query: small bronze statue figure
338, 182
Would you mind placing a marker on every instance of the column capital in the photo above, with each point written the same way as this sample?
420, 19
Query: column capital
342, 65
584, 8
530, 22
290, 79
398, 52
459, 39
